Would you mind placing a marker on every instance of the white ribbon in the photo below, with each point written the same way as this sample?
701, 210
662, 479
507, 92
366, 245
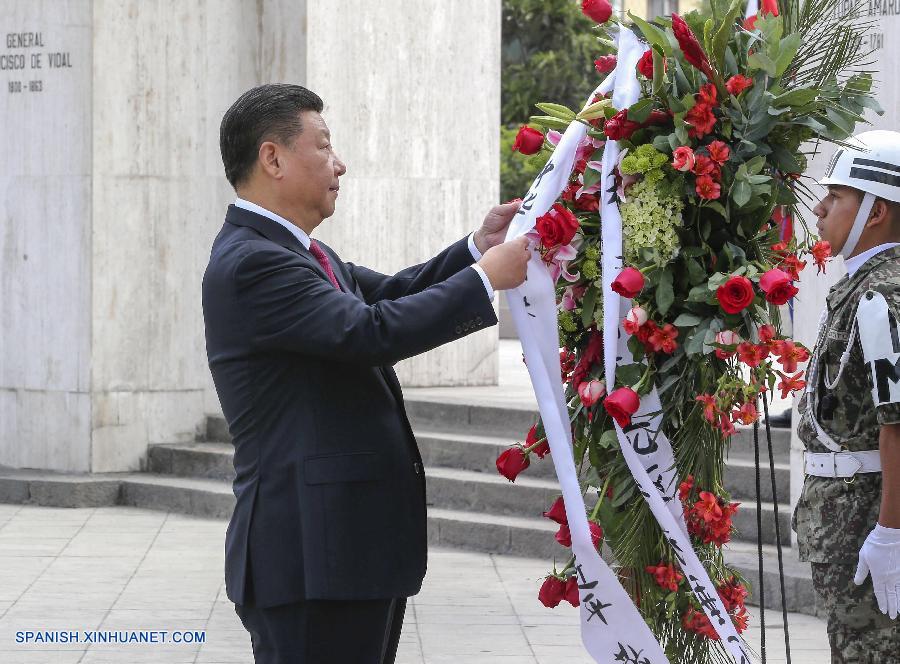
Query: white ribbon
612, 629
644, 446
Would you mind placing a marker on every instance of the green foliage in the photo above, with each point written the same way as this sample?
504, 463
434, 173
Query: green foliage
548, 52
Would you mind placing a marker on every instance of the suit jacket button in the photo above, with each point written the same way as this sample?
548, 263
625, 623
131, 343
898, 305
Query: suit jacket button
458, 330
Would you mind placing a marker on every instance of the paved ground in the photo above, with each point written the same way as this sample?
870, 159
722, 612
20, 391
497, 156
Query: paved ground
121, 568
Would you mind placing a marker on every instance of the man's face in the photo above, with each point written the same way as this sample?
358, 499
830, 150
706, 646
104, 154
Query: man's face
836, 213
312, 169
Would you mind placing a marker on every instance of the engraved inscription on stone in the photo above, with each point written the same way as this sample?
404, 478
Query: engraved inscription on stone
27, 59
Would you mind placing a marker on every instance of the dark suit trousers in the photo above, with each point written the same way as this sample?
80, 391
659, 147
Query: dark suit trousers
325, 631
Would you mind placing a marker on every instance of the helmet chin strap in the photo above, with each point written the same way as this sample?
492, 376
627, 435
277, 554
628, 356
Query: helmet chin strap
865, 208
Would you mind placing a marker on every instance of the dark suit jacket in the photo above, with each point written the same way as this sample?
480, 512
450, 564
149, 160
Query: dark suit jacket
329, 482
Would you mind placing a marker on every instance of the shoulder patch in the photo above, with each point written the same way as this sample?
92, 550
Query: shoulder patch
880, 341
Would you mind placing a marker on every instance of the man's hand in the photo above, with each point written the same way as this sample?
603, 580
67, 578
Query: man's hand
493, 229
505, 264
880, 557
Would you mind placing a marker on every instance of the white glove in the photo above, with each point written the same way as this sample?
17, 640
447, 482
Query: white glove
880, 556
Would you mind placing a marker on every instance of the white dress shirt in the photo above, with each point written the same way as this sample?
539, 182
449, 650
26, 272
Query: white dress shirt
304, 239
853, 264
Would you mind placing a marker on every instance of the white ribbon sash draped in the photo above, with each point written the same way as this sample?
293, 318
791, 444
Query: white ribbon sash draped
612, 628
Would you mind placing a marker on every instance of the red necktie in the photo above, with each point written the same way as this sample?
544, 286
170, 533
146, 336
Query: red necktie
316, 251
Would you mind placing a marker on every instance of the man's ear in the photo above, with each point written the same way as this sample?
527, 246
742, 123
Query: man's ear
269, 159
881, 213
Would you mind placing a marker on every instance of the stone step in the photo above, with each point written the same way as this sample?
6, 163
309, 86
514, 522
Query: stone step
209, 460
492, 533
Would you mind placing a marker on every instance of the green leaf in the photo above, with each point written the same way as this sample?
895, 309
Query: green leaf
756, 164
549, 122
629, 374
724, 33
696, 273
762, 61
798, 97
665, 294
557, 111
652, 34
662, 142
609, 440
588, 304
787, 49
640, 111
695, 341
687, 320
740, 193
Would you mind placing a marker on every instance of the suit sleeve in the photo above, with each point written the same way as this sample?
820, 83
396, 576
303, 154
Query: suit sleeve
292, 308
376, 286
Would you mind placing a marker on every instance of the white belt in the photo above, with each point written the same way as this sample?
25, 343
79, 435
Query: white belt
842, 464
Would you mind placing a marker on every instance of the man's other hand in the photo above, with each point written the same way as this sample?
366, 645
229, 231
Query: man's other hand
505, 264
493, 229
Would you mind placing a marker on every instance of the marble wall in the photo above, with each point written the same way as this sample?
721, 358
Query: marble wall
113, 190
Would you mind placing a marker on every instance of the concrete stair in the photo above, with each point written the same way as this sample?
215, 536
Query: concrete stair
470, 504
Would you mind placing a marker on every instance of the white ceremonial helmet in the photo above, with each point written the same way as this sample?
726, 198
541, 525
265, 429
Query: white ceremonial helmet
869, 162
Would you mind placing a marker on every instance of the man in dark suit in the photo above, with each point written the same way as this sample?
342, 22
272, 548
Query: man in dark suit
327, 539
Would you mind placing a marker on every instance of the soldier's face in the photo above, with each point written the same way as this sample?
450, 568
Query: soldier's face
836, 213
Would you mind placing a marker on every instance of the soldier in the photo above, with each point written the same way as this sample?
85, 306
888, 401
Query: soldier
848, 516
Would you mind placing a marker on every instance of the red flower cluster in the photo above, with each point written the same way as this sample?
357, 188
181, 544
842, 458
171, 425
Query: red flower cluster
733, 595
710, 518
592, 354
619, 127
665, 575
697, 622
554, 590
564, 536
690, 46
737, 84
701, 116
566, 363
791, 383
714, 415
821, 252
585, 202
655, 339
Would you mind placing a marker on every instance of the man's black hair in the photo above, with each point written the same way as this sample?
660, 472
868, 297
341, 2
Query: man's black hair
266, 113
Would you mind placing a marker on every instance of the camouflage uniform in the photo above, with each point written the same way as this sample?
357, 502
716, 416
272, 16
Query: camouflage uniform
834, 516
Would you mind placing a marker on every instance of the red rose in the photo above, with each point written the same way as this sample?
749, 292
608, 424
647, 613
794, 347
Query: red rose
691, 48
597, 10
528, 140
563, 535
629, 282
572, 591
557, 512
777, 286
701, 119
683, 159
622, 404
645, 64
719, 152
737, 84
619, 127
552, 591
542, 449
596, 533
511, 462
557, 227
735, 295
707, 188
605, 63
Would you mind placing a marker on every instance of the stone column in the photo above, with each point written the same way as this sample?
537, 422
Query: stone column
113, 193
813, 288
412, 94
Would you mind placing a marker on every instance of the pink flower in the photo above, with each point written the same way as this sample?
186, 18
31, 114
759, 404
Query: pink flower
777, 286
683, 159
727, 338
634, 319
591, 391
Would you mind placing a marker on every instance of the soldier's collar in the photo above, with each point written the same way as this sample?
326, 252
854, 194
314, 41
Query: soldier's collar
846, 286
